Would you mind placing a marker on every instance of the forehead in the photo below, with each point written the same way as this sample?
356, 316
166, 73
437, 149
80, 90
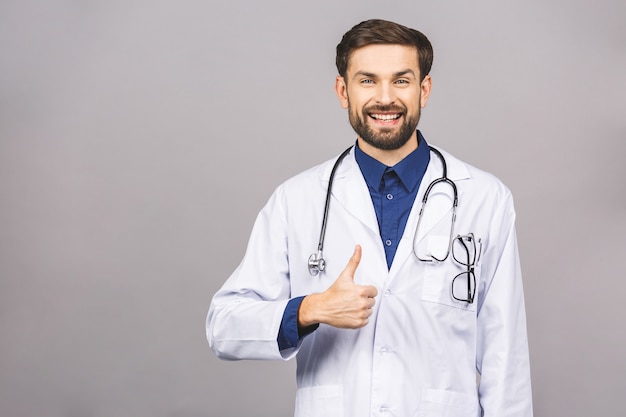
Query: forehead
382, 59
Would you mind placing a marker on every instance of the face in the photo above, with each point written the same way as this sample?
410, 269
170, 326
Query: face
383, 95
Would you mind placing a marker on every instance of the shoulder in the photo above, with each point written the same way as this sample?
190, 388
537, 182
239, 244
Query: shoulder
312, 179
473, 179
307, 185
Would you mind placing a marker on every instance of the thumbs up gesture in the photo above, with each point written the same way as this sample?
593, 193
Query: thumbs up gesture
344, 304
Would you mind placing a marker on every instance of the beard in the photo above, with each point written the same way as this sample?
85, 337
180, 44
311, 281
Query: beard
385, 138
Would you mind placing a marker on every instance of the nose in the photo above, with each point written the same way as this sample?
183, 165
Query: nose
385, 94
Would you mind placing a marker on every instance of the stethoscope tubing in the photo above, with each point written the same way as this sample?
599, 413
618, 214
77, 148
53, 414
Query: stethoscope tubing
316, 262
320, 245
443, 178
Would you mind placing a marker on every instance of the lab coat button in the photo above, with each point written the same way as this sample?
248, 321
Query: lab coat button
387, 292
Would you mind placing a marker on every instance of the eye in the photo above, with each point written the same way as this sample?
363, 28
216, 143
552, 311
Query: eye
402, 81
367, 81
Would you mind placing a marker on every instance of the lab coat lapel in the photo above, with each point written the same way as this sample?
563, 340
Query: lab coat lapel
350, 191
439, 200
438, 206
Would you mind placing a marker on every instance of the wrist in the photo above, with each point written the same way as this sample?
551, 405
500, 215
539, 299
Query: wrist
306, 312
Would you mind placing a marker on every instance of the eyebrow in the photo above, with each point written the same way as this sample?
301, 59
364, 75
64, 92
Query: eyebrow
402, 73
405, 72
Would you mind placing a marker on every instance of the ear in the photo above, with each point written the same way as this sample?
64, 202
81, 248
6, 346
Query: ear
341, 89
425, 88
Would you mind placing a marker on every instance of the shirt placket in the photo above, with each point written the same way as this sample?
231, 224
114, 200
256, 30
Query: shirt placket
390, 214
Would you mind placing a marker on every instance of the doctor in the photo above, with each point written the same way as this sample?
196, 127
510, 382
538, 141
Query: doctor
418, 301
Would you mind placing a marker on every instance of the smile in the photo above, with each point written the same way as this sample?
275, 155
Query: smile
385, 117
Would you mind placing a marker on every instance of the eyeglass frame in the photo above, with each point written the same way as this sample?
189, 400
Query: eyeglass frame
470, 265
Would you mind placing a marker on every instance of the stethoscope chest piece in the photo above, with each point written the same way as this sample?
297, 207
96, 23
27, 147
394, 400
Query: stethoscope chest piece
317, 263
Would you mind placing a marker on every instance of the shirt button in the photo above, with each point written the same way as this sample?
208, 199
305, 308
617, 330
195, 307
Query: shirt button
388, 242
389, 196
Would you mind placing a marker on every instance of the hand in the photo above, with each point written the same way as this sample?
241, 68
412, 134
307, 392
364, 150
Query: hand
344, 304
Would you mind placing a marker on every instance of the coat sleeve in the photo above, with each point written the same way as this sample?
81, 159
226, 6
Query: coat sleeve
502, 345
245, 314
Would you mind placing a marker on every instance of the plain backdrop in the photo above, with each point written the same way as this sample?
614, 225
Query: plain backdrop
139, 139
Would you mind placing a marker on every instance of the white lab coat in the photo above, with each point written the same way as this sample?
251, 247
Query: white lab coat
420, 353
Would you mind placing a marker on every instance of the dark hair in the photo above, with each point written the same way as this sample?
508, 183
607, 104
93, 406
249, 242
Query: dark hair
383, 32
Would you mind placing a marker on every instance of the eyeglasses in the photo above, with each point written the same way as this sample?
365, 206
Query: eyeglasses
466, 251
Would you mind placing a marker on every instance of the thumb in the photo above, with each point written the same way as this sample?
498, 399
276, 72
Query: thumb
353, 263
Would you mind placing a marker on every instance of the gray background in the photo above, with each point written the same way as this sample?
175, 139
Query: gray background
138, 140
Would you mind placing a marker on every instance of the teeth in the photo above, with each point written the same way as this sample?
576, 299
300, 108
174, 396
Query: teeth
385, 117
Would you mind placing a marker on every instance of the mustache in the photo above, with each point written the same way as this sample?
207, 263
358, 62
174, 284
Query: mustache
385, 109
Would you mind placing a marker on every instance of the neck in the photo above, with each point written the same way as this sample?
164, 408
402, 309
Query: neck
389, 157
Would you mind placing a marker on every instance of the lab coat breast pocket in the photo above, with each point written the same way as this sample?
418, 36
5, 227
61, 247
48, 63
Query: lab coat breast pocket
450, 285
321, 400
454, 281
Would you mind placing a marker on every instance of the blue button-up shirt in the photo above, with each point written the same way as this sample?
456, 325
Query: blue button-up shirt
393, 191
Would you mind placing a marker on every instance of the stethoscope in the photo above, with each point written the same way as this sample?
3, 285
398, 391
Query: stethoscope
317, 263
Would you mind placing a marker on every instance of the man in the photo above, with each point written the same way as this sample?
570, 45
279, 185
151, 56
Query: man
430, 301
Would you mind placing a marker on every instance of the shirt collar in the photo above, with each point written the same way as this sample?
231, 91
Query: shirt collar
410, 170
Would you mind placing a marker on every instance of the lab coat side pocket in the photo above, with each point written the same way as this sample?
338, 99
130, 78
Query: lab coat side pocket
444, 403
321, 400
